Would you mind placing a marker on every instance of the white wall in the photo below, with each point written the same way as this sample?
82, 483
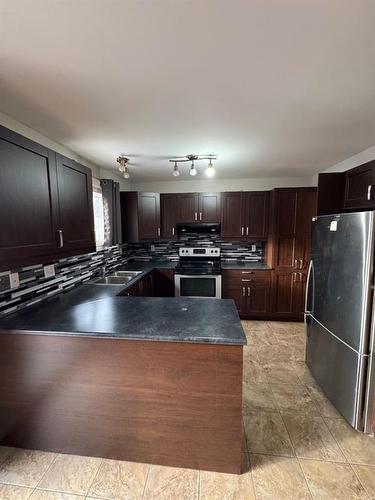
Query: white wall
254, 184
358, 159
99, 173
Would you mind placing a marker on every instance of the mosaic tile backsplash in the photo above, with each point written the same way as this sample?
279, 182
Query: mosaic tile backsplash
33, 284
230, 251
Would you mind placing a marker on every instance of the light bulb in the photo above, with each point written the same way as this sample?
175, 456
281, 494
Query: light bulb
192, 169
210, 171
176, 172
126, 173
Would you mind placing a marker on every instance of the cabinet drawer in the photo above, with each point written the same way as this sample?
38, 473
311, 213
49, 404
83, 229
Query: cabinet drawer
237, 276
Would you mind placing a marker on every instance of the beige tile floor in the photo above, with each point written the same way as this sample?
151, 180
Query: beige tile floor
296, 445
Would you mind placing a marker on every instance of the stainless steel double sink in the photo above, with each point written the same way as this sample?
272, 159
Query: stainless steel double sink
117, 278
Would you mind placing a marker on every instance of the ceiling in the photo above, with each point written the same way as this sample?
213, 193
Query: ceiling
273, 87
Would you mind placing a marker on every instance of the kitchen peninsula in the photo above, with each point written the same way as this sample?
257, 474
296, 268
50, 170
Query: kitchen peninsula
145, 379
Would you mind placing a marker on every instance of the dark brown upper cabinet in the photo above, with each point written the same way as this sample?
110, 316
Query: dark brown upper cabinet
293, 209
168, 209
29, 208
140, 216
33, 204
76, 229
360, 187
256, 214
198, 207
209, 207
245, 214
231, 218
187, 207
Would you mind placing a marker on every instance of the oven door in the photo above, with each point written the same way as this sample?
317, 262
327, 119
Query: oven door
202, 286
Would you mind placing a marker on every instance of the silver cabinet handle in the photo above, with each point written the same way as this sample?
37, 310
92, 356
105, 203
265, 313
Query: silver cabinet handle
195, 216
248, 291
159, 231
247, 272
200, 215
246, 280
243, 291
369, 189
295, 263
301, 261
61, 238
172, 231
242, 231
247, 231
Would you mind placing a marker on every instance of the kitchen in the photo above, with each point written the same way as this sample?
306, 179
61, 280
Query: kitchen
178, 324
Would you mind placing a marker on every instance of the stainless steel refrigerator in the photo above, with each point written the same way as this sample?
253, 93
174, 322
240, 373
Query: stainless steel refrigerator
340, 315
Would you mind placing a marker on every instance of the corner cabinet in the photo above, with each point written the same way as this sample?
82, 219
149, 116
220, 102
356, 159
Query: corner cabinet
33, 212
140, 216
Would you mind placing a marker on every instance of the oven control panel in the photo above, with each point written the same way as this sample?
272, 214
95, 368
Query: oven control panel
199, 252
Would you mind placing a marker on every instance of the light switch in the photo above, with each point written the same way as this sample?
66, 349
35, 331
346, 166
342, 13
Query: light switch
14, 280
49, 271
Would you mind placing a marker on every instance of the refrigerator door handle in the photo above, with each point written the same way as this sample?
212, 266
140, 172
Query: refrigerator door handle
308, 288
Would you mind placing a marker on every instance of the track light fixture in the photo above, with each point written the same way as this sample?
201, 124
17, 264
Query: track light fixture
122, 160
210, 171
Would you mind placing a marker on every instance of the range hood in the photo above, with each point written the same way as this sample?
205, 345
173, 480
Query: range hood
198, 228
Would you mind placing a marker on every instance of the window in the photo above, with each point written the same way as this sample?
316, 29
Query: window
98, 213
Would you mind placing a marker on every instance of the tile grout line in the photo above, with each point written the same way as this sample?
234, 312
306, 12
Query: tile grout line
145, 485
199, 485
95, 476
251, 473
360, 482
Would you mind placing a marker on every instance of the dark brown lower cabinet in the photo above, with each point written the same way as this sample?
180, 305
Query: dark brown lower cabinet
167, 403
250, 290
142, 288
164, 282
158, 283
288, 291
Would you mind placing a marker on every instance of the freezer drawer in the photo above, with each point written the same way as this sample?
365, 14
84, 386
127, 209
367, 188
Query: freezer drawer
339, 371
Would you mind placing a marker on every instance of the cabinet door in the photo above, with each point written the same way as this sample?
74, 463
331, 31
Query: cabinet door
236, 292
209, 207
164, 283
287, 294
168, 207
147, 286
28, 201
187, 207
306, 210
231, 219
149, 216
257, 300
256, 214
359, 186
284, 238
75, 201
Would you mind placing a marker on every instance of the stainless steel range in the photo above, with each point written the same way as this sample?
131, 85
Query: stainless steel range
198, 273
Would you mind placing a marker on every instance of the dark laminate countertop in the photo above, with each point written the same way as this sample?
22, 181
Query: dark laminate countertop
94, 311
252, 266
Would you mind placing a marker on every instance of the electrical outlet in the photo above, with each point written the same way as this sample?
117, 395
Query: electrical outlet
253, 248
49, 271
14, 280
